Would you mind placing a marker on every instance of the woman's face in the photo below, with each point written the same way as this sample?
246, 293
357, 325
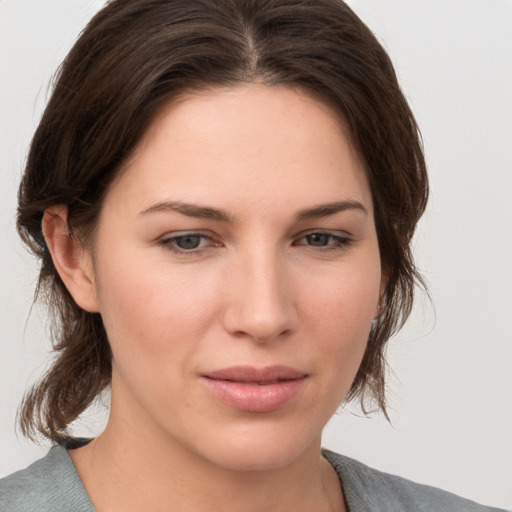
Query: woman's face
237, 272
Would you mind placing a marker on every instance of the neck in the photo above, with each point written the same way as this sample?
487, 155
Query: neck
120, 475
135, 466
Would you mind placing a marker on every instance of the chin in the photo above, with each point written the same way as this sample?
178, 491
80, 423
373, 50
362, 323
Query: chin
258, 448
270, 458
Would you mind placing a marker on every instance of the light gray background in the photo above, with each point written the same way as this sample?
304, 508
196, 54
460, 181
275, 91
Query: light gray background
451, 395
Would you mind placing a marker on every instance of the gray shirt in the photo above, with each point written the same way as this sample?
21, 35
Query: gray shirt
52, 485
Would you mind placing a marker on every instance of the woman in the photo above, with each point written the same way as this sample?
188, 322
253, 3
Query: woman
222, 195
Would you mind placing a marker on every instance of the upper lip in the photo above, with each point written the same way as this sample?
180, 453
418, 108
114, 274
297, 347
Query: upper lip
249, 374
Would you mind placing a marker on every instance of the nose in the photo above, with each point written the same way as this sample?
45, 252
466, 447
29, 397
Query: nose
260, 303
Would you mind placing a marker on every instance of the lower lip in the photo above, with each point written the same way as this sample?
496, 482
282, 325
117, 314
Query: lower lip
251, 397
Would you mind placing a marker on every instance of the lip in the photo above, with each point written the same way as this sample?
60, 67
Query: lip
253, 389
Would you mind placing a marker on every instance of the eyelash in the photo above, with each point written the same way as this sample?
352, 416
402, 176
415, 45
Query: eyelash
338, 243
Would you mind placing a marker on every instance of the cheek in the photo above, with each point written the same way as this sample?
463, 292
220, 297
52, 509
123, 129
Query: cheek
345, 300
155, 321
340, 312
154, 308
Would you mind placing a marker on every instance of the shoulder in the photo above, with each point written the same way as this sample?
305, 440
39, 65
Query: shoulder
49, 484
368, 489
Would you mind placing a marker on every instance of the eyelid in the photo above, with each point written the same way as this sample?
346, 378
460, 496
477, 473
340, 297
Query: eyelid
186, 232
336, 233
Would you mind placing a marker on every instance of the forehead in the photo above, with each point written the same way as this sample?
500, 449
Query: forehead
251, 143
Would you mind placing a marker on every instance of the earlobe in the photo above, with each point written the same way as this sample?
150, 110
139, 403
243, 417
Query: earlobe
71, 260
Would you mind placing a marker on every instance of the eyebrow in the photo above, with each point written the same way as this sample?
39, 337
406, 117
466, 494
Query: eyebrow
190, 210
204, 212
325, 210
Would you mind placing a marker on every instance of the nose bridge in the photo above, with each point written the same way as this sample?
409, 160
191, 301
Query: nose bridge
261, 306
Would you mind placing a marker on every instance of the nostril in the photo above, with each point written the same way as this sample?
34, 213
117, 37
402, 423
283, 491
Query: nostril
257, 327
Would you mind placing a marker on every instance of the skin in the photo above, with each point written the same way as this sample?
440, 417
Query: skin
265, 286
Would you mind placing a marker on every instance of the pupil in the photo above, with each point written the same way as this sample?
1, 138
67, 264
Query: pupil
188, 242
318, 239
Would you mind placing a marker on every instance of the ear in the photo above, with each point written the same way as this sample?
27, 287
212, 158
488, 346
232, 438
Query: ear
72, 261
382, 293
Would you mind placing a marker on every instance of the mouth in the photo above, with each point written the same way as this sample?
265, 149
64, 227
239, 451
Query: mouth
252, 389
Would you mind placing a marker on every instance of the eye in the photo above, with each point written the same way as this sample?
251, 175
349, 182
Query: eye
318, 239
324, 240
188, 243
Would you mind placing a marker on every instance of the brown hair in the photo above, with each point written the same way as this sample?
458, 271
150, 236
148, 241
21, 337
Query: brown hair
134, 56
